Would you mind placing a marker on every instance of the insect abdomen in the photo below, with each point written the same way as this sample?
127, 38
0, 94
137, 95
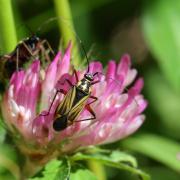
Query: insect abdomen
60, 123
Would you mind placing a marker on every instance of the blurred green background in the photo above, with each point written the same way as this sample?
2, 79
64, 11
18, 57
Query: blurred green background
150, 32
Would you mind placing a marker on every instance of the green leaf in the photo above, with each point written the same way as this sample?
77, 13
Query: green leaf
118, 156
160, 22
55, 170
82, 174
156, 147
115, 159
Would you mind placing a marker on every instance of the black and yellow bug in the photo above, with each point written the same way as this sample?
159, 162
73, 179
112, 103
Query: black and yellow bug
74, 101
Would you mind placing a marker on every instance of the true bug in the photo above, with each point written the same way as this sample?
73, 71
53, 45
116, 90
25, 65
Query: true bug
74, 101
28, 48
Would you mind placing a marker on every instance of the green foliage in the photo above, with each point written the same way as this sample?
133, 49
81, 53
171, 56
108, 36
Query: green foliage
60, 170
82, 174
116, 159
159, 148
55, 170
160, 22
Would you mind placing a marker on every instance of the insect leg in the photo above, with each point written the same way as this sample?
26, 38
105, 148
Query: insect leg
94, 99
88, 108
48, 45
43, 49
58, 91
68, 81
28, 49
95, 82
6, 56
44, 55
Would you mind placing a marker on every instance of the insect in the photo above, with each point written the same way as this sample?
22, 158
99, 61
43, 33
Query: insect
74, 101
31, 47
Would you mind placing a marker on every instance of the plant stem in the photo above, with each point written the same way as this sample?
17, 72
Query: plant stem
97, 168
29, 169
10, 166
66, 26
8, 39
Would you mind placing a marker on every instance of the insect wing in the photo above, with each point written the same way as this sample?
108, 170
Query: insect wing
66, 104
78, 107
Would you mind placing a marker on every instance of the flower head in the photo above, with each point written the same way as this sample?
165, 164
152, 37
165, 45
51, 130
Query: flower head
26, 106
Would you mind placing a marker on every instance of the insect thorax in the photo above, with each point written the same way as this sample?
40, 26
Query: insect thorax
32, 42
84, 85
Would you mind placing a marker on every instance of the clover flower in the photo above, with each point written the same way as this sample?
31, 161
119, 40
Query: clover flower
30, 94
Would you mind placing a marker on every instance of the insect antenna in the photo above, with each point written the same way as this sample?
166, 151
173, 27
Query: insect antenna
45, 23
125, 88
69, 26
84, 50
